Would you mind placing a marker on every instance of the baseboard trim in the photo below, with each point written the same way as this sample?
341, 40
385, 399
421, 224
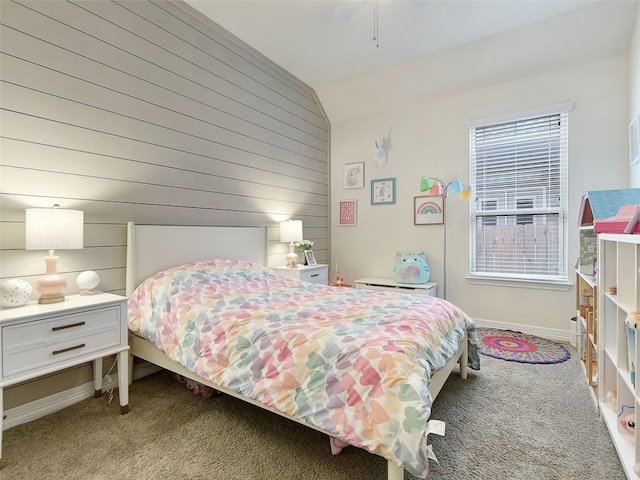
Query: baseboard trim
556, 334
52, 403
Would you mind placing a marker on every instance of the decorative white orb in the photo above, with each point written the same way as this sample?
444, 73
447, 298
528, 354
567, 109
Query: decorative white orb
14, 293
88, 280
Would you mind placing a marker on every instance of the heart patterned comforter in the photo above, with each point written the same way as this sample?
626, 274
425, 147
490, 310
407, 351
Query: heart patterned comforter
354, 363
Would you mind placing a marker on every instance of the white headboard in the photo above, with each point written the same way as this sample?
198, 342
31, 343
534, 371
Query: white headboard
153, 248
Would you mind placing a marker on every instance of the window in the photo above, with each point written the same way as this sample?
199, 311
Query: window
519, 209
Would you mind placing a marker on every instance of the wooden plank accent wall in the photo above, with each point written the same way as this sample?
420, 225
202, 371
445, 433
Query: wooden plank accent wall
148, 111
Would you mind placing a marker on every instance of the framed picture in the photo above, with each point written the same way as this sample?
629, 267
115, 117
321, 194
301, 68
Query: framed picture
353, 175
311, 258
428, 210
348, 212
383, 191
634, 141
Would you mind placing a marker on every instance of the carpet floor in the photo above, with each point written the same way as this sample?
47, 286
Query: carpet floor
506, 421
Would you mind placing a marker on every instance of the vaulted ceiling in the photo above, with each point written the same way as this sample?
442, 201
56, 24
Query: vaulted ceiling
422, 48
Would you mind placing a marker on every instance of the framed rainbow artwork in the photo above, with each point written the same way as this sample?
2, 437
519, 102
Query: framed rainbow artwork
428, 210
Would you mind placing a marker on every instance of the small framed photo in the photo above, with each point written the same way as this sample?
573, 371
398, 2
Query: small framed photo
348, 212
428, 210
383, 191
353, 175
311, 258
634, 140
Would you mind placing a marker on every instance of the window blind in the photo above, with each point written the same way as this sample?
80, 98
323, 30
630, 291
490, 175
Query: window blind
518, 173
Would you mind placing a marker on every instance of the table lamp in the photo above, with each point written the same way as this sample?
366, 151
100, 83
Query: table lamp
291, 231
53, 229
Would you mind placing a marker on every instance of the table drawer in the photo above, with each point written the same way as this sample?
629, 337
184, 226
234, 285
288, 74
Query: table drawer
431, 291
41, 343
316, 275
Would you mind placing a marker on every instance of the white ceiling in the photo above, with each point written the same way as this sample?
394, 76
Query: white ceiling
424, 47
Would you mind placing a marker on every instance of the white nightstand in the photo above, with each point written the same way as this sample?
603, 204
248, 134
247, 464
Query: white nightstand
376, 283
308, 273
42, 339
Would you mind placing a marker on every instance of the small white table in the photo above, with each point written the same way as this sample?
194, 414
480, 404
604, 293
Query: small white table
309, 273
41, 339
378, 283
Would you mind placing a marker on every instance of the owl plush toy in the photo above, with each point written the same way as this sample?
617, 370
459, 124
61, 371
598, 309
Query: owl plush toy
411, 268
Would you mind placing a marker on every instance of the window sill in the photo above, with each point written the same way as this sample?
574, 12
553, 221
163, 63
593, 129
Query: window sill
520, 283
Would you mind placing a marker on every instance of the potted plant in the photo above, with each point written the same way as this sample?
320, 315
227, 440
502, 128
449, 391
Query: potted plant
303, 246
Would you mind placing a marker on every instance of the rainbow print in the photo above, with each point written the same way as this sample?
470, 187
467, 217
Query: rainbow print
428, 210
428, 207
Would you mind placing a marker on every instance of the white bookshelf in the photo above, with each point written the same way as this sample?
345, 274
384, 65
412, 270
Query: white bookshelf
619, 294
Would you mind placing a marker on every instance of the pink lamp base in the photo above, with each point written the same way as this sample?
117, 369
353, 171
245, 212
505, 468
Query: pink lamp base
292, 257
51, 285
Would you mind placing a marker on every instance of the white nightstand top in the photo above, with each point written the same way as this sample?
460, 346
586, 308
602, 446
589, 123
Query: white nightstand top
70, 303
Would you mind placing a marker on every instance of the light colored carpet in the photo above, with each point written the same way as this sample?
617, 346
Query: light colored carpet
507, 421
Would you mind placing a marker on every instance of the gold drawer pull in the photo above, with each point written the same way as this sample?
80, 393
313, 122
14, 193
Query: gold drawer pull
56, 352
79, 324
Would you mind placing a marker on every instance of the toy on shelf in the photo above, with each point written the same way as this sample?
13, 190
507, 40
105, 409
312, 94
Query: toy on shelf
627, 421
626, 221
340, 280
632, 321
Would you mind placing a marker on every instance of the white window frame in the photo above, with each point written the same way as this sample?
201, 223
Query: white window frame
560, 278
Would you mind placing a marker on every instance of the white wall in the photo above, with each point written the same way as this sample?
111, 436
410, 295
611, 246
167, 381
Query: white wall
432, 138
634, 92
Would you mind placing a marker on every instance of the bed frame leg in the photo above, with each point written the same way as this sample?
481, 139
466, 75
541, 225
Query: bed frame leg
464, 360
394, 472
131, 358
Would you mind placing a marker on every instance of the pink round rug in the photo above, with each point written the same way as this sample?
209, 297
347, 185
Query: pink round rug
520, 347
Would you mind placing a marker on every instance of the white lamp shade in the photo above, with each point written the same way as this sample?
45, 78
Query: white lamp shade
291, 231
54, 229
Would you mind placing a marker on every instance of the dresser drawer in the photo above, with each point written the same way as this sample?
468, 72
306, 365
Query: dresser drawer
41, 343
315, 275
307, 273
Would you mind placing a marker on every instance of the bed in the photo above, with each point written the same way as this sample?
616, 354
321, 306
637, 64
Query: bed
361, 366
